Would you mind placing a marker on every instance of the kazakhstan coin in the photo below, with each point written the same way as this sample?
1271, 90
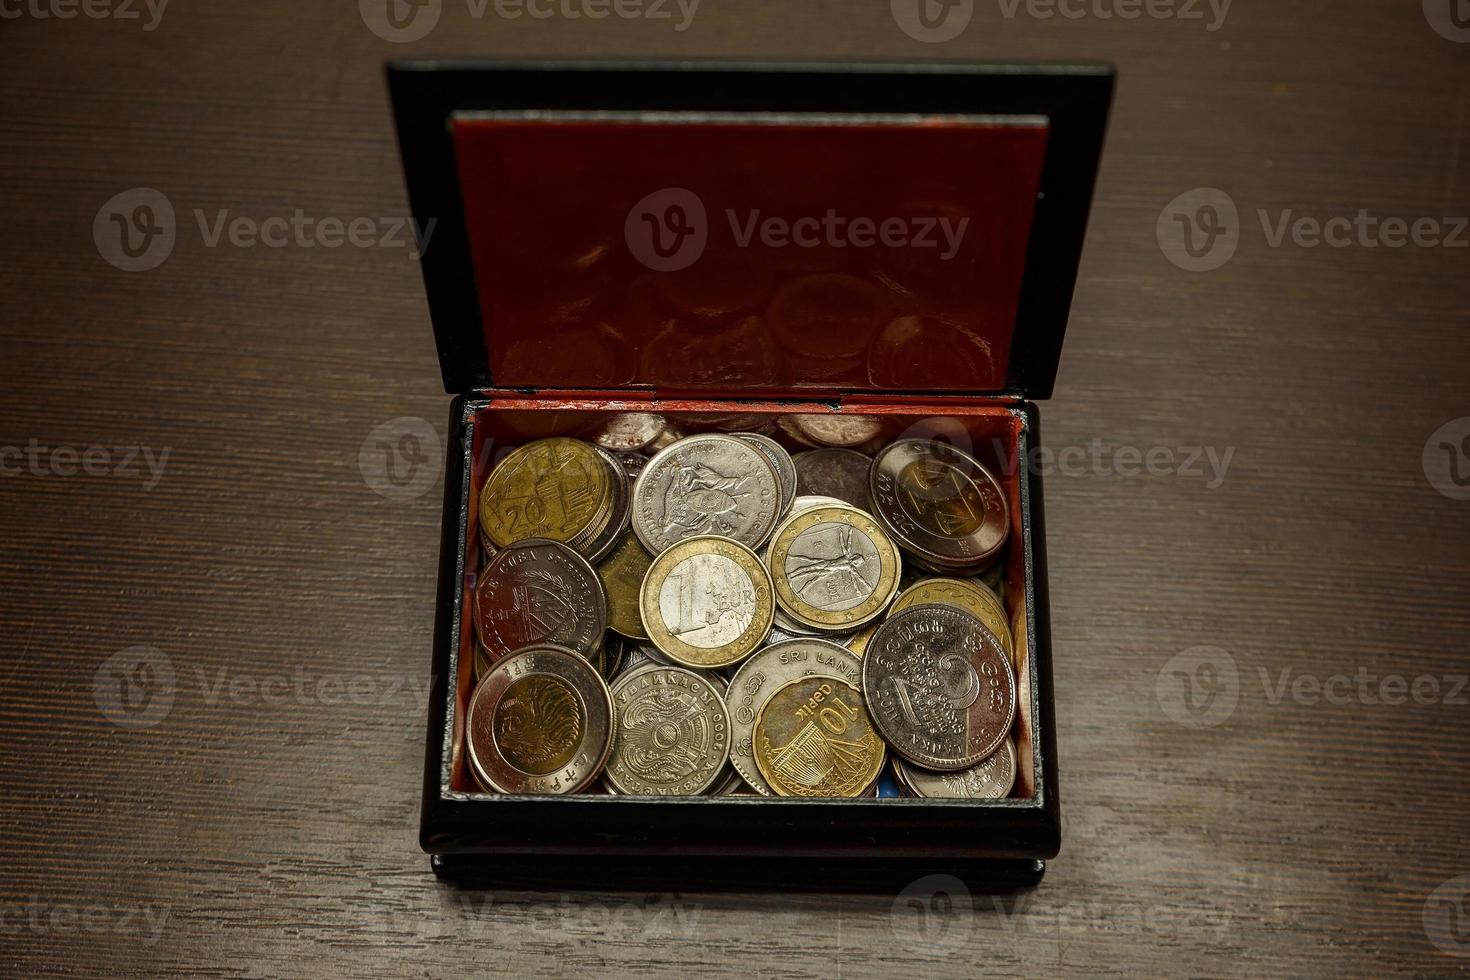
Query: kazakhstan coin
671, 734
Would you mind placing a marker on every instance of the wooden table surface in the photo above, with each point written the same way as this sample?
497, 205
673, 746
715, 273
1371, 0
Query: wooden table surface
1310, 820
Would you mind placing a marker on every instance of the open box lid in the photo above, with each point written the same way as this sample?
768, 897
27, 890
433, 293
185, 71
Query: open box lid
751, 229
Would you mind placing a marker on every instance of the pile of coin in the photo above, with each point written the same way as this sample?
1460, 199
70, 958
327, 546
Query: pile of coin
662, 614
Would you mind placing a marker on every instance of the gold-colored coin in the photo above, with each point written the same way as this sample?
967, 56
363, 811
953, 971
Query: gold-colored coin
559, 489
707, 602
858, 642
834, 569
813, 737
972, 598
622, 573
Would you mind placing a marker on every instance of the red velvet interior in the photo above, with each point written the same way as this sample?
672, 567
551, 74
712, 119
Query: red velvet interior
990, 432
555, 210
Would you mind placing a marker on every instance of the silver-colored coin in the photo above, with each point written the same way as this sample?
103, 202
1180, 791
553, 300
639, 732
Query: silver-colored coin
764, 674
632, 464
989, 780
780, 634
622, 498
780, 461
840, 473
832, 428
628, 431
833, 568
939, 686
539, 592
706, 484
671, 734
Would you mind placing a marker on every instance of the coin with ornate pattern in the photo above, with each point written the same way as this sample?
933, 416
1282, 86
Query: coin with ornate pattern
706, 484
940, 687
540, 722
671, 733
536, 592
707, 602
990, 779
761, 675
813, 738
966, 594
833, 568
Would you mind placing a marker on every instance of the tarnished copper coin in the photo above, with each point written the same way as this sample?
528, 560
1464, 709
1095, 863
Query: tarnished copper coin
841, 473
939, 504
939, 686
536, 592
540, 722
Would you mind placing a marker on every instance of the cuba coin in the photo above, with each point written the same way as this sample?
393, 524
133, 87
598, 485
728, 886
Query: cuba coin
833, 568
671, 733
989, 780
702, 485
540, 722
707, 602
761, 675
813, 737
940, 687
536, 592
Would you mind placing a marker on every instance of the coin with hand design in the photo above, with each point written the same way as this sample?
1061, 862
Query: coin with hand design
813, 738
940, 687
671, 733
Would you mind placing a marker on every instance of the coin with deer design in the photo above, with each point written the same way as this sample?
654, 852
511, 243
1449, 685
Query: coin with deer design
939, 503
813, 738
559, 489
540, 722
671, 733
760, 676
940, 687
702, 485
991, 779
707, 602
536, 592
833, 568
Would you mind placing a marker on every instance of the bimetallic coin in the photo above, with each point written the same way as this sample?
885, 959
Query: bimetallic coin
706, 484
833, 568
939, 503
627, 431
989, 780
840, 473
707, 602
780, 461
858, 642
536, 592
671, 733
939, 686
540, 722
622, 573
973, 598
813, 737
559, 489
761, 675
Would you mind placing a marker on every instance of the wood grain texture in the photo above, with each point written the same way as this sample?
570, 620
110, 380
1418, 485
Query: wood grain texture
269, 833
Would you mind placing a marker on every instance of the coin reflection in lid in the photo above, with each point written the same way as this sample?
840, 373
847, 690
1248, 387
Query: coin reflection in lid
706, 602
